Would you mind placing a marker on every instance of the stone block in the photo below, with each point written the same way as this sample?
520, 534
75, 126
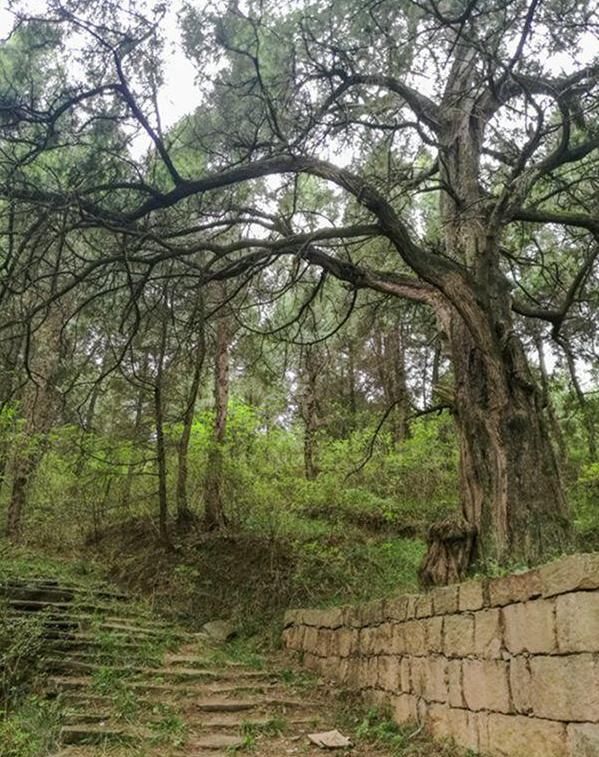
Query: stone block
396, 608
382, 639
435, 679
530, 627
310, 643
398, 639
415, 636
418, 675
519, 736
520, 684
565, 688
486, 685
348, 640
471, 595
424, 606
405, 675
292, 617
312, 617
388, 672
517, 587
332, 618
343, 670
404, 708
455, 684
488, 634
577, 617
459, 635
353, 672
445, 722
372, 613
367, 641
571, 573
434, 634
325, 642
368, 673
583, 740
445, 600
329, 668
411, 605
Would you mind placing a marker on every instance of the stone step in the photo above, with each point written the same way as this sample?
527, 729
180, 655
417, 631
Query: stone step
77, 637
90, 609
224, 704
73, 664
226, 721
81, 641
56, 584
60, 683
196, 661
83, 622
55, 589
100, 734
216, 741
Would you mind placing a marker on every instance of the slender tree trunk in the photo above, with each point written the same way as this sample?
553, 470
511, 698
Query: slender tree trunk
214, 509
183, 512
309, 411
137, 425
546, 399
397, 383
587, 419
160, 442
40, 408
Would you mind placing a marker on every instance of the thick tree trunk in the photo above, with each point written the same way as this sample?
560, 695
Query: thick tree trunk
214, 507
511, 486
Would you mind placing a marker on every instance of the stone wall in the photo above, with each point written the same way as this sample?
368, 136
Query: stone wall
505, 666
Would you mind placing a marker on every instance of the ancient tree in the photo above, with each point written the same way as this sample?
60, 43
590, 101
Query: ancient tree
460, 138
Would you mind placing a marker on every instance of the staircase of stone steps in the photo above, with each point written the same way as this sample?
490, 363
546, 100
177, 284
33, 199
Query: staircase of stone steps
130, 683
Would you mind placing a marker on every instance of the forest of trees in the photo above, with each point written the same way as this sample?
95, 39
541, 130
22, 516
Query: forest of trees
362, 273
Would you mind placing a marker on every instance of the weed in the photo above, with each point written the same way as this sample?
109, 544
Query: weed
276, 726
169, 726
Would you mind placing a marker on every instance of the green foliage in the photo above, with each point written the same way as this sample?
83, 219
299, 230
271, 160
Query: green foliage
32, 730
585, 501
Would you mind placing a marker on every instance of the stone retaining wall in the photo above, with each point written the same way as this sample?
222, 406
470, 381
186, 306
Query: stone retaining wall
505, 666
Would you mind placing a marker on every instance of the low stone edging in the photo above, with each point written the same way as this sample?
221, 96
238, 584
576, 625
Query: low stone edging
506, 666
